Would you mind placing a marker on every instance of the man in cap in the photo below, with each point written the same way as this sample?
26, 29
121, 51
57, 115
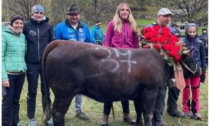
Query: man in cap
163, 19
164, 16
39, 33
74, 29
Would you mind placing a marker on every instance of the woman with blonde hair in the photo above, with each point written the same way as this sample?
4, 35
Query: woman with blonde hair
121, 32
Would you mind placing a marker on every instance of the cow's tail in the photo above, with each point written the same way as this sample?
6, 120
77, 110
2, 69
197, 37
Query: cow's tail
47, 100
113, 112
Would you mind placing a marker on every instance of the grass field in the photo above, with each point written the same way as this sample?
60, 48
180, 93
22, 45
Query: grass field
94, 110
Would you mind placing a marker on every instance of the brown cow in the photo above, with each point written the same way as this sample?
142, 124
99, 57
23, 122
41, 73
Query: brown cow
104, 74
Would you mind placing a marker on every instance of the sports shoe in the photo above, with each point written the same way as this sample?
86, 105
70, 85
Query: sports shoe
188, 114
18, 124
176, 114
104, 121
82, 116
127, 118
197, 116
32, 122
50, 122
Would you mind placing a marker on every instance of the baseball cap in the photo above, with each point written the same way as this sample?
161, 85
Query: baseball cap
164, 11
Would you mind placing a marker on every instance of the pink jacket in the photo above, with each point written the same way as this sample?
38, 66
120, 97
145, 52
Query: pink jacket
126, 39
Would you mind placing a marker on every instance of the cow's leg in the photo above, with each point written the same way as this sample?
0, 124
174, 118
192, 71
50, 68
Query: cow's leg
60, 107
150, 97
139, 110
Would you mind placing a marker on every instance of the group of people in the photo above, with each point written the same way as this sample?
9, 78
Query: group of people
23, 47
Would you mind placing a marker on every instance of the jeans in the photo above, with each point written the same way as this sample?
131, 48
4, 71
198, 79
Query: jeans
78, 103
34, 70
10, 101
159, 107
108, 105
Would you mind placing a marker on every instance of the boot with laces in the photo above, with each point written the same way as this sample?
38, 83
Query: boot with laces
104, 121
127, 118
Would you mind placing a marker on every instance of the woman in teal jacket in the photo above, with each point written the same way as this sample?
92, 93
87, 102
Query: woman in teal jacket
13, 69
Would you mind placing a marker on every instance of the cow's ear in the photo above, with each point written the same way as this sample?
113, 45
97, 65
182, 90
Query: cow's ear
186, 52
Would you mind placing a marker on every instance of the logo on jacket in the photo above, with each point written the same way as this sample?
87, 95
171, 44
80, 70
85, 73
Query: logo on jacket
32, 33
80, 30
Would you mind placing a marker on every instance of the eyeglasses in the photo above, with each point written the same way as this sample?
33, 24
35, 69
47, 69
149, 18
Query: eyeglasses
38, 12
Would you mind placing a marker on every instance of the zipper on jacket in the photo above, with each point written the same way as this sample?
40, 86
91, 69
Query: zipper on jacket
38, 43
18, 39
192, 47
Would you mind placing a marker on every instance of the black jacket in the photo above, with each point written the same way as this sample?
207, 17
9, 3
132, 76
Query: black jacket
38, 35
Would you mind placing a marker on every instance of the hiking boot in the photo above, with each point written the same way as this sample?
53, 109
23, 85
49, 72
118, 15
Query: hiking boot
127, 118
32, 122
188, 114
197, 116
176, 114
104, 121
82, 116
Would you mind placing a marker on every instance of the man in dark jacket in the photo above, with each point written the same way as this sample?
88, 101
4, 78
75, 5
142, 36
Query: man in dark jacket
163, 18
204, 38
39, 33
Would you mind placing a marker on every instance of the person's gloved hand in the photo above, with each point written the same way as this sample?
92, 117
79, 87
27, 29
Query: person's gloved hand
203, 77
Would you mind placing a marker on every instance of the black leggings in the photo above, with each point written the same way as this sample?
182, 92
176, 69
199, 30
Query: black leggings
108, 105
10, 102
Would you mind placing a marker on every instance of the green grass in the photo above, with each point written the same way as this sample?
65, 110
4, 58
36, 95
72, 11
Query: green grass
94, 110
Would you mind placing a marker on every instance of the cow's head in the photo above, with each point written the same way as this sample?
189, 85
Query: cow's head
190, 68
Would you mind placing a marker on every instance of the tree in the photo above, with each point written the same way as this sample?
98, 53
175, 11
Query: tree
191, 10
22, 7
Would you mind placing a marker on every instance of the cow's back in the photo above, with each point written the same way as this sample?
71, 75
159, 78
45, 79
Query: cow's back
102, 73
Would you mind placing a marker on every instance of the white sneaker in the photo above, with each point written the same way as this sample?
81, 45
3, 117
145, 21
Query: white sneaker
50, 122
18, 124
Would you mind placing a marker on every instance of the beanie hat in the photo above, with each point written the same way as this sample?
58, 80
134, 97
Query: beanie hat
15, 17
73, 8
37, 8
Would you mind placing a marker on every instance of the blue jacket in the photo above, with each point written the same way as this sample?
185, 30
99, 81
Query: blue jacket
198, 53
97, 33
65, 31
204, 38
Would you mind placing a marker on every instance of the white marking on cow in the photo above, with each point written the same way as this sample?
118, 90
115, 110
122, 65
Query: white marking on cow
118, 54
